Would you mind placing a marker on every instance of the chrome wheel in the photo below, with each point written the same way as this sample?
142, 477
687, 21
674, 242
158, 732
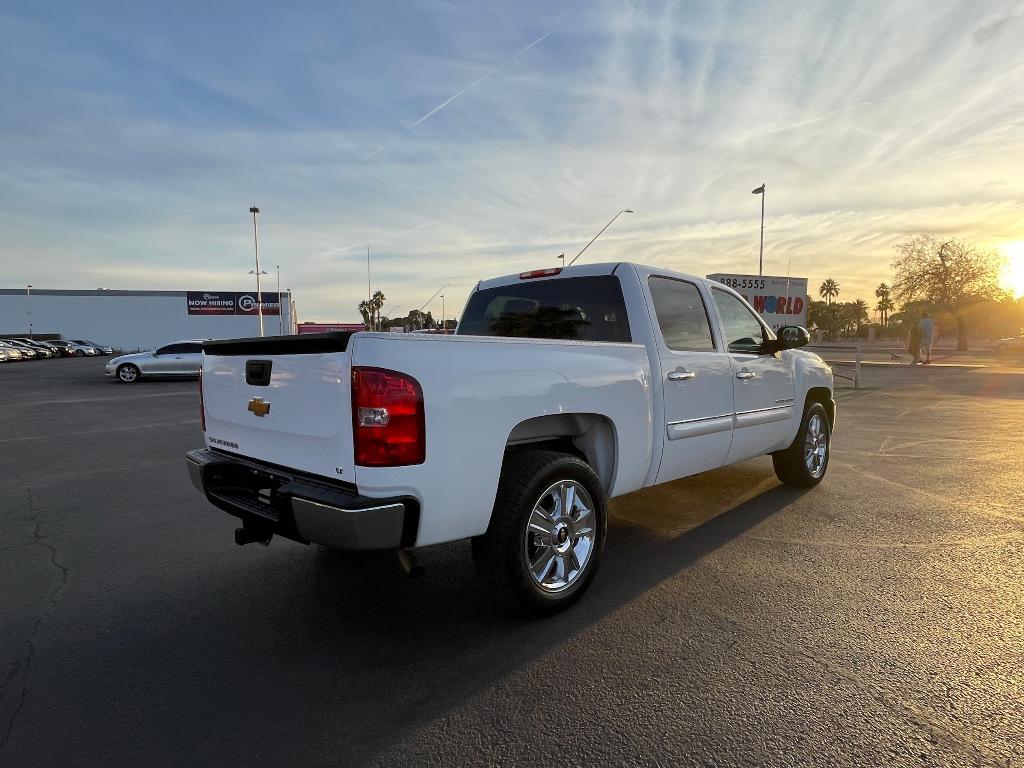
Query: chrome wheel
560, 536
127, 373
816, 445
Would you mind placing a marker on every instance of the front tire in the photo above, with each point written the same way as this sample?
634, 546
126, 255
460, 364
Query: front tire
547, 532
128, 373
805, 462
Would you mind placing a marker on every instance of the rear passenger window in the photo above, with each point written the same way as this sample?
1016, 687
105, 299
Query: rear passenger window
576, 308
681, 315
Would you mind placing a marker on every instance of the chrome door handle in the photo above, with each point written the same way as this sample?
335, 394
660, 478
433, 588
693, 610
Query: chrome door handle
681, 375
745, 375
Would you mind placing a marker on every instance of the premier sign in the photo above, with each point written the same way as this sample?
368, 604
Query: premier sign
778, 300
230, 303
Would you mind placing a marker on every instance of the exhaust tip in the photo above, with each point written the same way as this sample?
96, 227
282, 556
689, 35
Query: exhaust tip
410, 563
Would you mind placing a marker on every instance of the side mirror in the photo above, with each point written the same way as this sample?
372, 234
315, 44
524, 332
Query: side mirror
789, 337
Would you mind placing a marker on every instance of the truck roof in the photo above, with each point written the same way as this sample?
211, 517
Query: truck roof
581, 270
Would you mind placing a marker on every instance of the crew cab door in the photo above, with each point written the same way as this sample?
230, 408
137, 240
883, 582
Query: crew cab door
696, 381
763, 384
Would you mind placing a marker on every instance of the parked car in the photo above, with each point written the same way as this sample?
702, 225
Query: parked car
179, 359
39, 347
28, 352
66, 348
4, 357
75, 349
101, 349
1012, 346
56, 350
13, 353
621, 377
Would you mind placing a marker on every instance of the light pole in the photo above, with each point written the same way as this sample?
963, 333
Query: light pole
624, 210
384, 313
280, 305
562, 257
443, 327
261, 272
259, 291
760, 258
28, 303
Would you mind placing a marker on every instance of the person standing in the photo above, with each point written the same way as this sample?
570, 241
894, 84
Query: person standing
914, 343
927, 333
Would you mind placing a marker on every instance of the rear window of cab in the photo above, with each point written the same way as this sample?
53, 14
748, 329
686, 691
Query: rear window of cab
573, 308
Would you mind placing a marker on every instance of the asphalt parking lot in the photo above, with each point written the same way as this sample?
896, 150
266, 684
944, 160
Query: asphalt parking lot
875, 620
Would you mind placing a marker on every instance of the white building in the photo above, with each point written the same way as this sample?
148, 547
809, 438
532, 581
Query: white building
131, 320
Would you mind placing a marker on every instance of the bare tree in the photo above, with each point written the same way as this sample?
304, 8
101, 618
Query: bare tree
946, 273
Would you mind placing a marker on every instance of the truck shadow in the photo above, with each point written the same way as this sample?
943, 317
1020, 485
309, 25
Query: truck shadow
298, 656
425, 647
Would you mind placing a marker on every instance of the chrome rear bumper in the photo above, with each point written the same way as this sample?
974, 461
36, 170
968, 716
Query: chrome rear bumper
273, 500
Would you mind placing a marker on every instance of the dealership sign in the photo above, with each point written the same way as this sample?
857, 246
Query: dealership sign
231, 303
778, 300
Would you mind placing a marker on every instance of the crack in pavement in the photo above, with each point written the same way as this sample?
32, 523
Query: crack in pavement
26, 665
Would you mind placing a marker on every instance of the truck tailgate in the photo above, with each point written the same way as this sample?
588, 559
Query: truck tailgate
282, 400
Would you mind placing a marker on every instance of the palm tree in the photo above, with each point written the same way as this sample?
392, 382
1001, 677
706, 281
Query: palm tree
829, 290
885, 304
364, 310
376, 304
860, 312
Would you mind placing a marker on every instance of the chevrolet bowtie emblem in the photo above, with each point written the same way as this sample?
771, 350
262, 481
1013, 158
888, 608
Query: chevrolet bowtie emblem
258, 407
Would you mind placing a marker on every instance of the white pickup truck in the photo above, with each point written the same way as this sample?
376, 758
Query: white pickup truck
561, 389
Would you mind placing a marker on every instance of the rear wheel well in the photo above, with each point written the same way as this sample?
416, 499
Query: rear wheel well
822, 395
588, 436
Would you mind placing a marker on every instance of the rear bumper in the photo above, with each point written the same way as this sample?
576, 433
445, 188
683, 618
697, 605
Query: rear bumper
272, 500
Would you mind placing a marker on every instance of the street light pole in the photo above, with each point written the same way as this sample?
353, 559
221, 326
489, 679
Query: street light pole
385, 313
259, 291
443, 327
760, 258
280, 304
28, 303
625, 210
562, 257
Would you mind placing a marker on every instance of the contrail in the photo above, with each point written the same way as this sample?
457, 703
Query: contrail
479, 80
389, 238
368, 155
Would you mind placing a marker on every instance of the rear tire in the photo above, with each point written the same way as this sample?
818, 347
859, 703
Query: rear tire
128, 373
805, 462
547, 532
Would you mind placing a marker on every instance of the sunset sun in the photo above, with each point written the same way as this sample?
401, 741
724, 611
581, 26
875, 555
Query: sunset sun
1013, 273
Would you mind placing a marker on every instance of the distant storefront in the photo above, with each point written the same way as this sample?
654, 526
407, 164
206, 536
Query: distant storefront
131, 320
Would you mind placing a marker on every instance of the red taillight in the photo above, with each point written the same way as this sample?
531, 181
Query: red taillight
387, 418
540, 273
202, 404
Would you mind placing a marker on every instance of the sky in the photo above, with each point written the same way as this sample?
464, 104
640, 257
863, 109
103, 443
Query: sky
467, 140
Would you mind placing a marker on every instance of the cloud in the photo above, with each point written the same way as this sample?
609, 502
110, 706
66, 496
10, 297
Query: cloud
986, 33
480, 79
136, 148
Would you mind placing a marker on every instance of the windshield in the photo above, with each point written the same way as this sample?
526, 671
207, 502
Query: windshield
578, 308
